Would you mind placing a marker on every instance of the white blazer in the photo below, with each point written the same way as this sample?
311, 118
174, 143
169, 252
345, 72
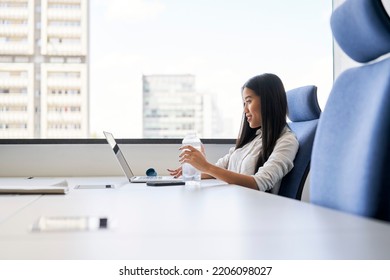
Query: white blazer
279, 163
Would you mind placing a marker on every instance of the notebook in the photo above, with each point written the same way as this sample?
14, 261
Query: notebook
34, 186
126, 168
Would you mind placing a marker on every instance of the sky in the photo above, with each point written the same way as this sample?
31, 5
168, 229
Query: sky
222, 42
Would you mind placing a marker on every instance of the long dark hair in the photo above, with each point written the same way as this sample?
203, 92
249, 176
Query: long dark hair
273, 101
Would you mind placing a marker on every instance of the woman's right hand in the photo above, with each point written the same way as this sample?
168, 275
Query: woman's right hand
176, 173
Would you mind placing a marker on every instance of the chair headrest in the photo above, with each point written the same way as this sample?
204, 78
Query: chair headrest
362, 29
303, 104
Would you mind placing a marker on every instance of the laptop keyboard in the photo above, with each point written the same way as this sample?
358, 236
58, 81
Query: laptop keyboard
149, 178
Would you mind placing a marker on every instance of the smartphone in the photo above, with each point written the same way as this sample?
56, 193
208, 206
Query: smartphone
164, 183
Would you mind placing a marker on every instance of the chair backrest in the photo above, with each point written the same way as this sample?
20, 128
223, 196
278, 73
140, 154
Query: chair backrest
303, 112
350, 166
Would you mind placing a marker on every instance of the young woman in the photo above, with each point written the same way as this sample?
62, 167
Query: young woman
266, 147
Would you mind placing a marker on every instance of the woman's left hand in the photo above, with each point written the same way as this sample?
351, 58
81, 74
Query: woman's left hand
176, 173
194, 157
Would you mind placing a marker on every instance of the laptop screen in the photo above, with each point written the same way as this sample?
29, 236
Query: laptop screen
118, 153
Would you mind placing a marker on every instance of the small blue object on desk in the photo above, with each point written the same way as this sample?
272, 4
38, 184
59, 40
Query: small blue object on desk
151, 172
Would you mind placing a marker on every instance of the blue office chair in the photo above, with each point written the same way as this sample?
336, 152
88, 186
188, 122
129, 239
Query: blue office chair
303, 112
350, 166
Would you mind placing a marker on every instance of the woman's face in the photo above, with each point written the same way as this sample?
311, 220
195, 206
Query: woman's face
252, 107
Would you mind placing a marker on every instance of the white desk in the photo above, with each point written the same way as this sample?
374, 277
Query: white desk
209, 222
10, 204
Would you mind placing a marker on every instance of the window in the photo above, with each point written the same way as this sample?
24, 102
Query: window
148, 55
155, 68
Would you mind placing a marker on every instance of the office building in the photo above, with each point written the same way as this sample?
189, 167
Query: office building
171, 106
44, 69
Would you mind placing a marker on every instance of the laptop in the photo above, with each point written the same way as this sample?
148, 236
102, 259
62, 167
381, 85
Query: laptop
127, 170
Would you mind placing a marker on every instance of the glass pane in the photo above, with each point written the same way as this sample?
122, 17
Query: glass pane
161, 68
152, 68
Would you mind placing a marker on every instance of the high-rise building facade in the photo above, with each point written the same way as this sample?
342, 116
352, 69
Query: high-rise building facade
171, 106
44, 69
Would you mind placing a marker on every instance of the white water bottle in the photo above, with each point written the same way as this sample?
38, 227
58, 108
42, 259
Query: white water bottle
189, 172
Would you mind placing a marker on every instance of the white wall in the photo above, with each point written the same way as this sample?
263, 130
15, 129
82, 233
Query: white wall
24, 160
